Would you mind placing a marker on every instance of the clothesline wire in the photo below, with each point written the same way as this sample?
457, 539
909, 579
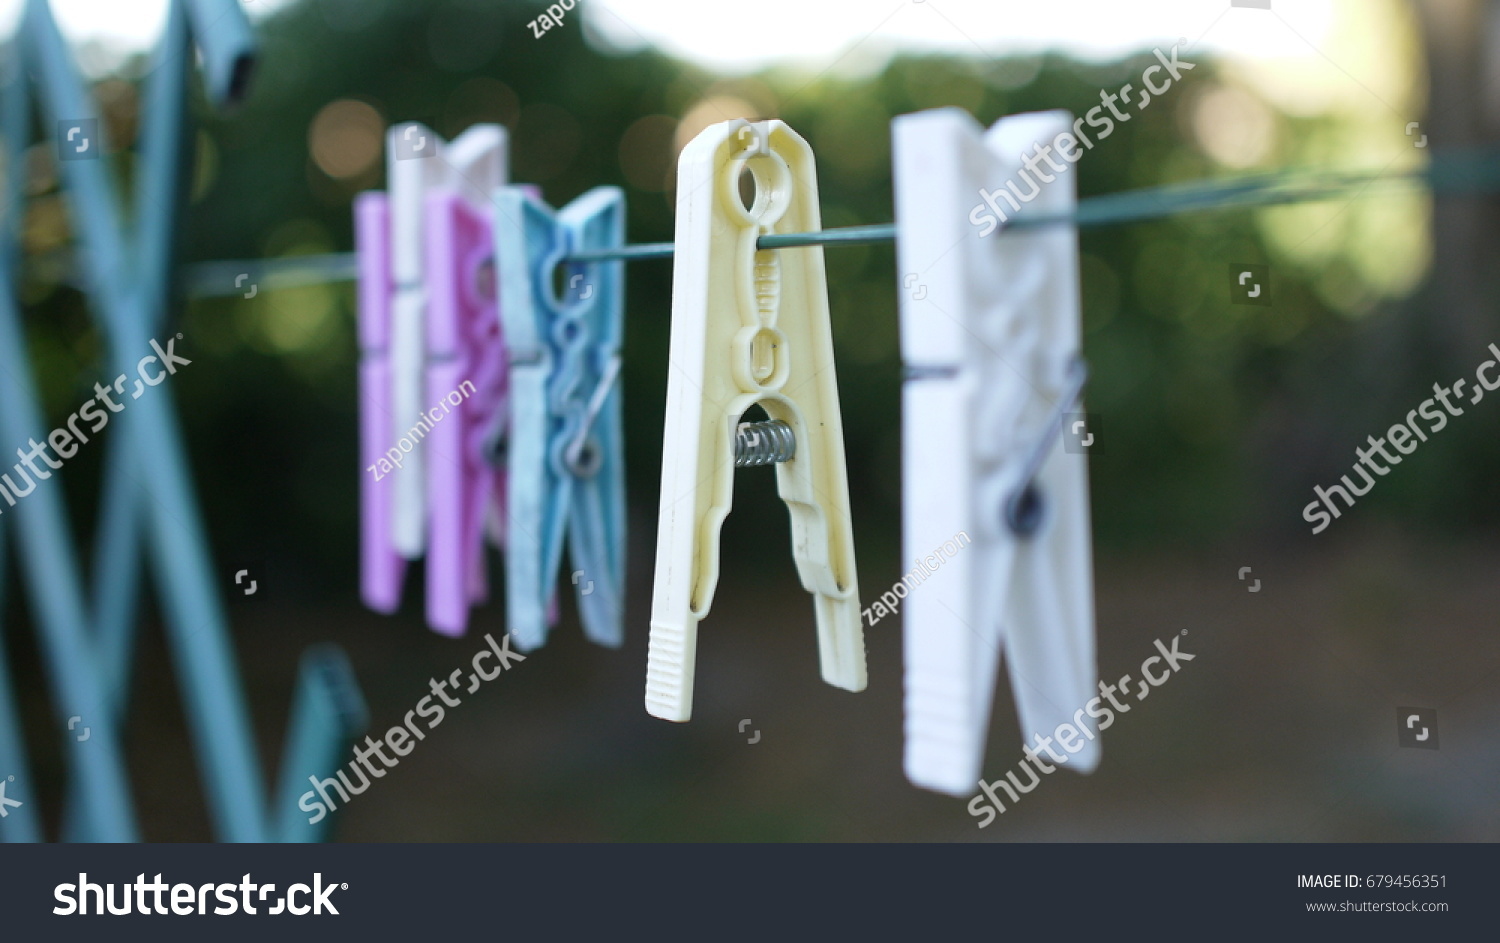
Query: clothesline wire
1449, 173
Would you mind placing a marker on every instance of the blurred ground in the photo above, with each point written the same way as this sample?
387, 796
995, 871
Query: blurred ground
1283, 727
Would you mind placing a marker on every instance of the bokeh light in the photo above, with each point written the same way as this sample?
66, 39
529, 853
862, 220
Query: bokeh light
345, 138
647, 152
1234, 127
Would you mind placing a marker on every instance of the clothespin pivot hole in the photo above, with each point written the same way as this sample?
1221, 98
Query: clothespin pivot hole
769, 173
483, 285
763, 363
1025, 510
584, 458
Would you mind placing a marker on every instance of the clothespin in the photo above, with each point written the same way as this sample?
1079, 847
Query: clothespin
996, 515
399, 370
749, 327
382, 568
466, 392
565, 442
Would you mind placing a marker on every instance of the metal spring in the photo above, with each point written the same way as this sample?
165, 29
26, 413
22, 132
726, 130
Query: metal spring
763, 443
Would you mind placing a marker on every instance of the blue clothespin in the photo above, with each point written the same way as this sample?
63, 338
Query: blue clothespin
565, 443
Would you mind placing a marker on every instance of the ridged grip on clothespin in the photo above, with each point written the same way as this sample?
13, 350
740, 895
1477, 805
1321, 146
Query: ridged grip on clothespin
749, 327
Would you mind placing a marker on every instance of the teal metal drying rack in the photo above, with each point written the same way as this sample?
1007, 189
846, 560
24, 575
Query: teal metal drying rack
86, 632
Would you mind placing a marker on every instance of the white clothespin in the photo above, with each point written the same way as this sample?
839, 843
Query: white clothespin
990, 341
749, 327
419, 162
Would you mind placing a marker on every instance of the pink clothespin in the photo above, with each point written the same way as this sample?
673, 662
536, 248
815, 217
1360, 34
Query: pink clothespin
466, 385
462, 423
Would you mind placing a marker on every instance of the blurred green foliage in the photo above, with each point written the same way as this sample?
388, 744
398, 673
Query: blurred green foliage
1214, 416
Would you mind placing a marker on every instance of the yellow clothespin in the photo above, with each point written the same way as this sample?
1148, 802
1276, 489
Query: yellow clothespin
749, 327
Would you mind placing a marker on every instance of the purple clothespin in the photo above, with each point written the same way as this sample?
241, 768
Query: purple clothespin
382, 569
